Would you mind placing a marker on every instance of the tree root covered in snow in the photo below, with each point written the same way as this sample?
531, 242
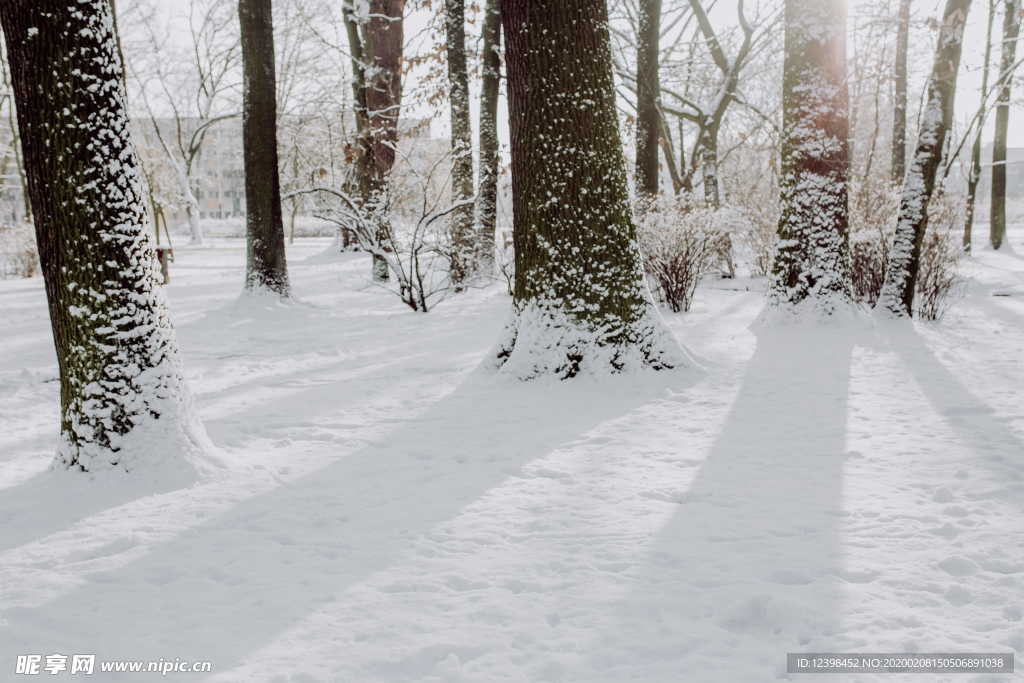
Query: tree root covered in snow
539, 342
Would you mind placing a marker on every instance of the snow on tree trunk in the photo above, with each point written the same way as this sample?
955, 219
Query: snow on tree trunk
266, 267
195, 228
1011, 30
812, 263
385, 39
487, 191
897, 296
580, 301
376, 35
648, 118
709, 166
974, 174
899, 112
460, 221
123, 399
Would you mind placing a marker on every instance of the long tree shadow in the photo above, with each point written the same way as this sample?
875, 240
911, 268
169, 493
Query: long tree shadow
1000, 449
749, 565
54, 500
223, 589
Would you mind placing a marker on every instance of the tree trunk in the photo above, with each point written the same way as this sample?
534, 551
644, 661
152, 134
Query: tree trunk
1011, 30
812, 260
974, 175
376, 42
487, 192
580, 303
897, 295
709, 166
195, 227
899, 122
460, 222
266, 267
123, 399
648, 118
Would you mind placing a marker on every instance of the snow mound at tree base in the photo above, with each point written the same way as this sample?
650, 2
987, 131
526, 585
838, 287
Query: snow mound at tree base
832, 311
540, 342
172, 449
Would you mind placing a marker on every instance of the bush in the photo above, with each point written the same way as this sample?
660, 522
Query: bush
753, 193
872, 223
18, 255
680, 245
939, 278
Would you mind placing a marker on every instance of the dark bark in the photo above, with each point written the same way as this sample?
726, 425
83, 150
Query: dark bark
119, 372
899, 122
580, 303
648, 117
266, 266
487, 190
812, 259
363, 149
897, 295
974, 175
376, 44
460, 221
1011, 30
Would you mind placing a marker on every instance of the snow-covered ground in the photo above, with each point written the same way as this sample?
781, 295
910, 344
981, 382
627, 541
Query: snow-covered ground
386, 511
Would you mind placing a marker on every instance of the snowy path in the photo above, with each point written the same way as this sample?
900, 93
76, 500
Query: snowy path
385, 513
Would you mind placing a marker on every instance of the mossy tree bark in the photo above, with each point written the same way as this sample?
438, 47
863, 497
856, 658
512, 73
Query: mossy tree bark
897, 296
579, 297
812, 262
648, 87
1011, 31
460, 221
266, 266
123, 399
487, 189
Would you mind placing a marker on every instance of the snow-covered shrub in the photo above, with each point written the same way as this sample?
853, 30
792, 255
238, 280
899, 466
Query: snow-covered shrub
18, 255
753, 193
402, 225
732, 226
873, 217
869, 257
680, 245
874, 204
939, 277
760, 240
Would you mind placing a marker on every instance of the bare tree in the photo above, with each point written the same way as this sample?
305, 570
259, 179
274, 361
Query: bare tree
1011, 31
13, 179
461, 221
266, 265
974, 174
376, 41
188, 91
648, 116
899, 121
487, 190
897, 296
710, 118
